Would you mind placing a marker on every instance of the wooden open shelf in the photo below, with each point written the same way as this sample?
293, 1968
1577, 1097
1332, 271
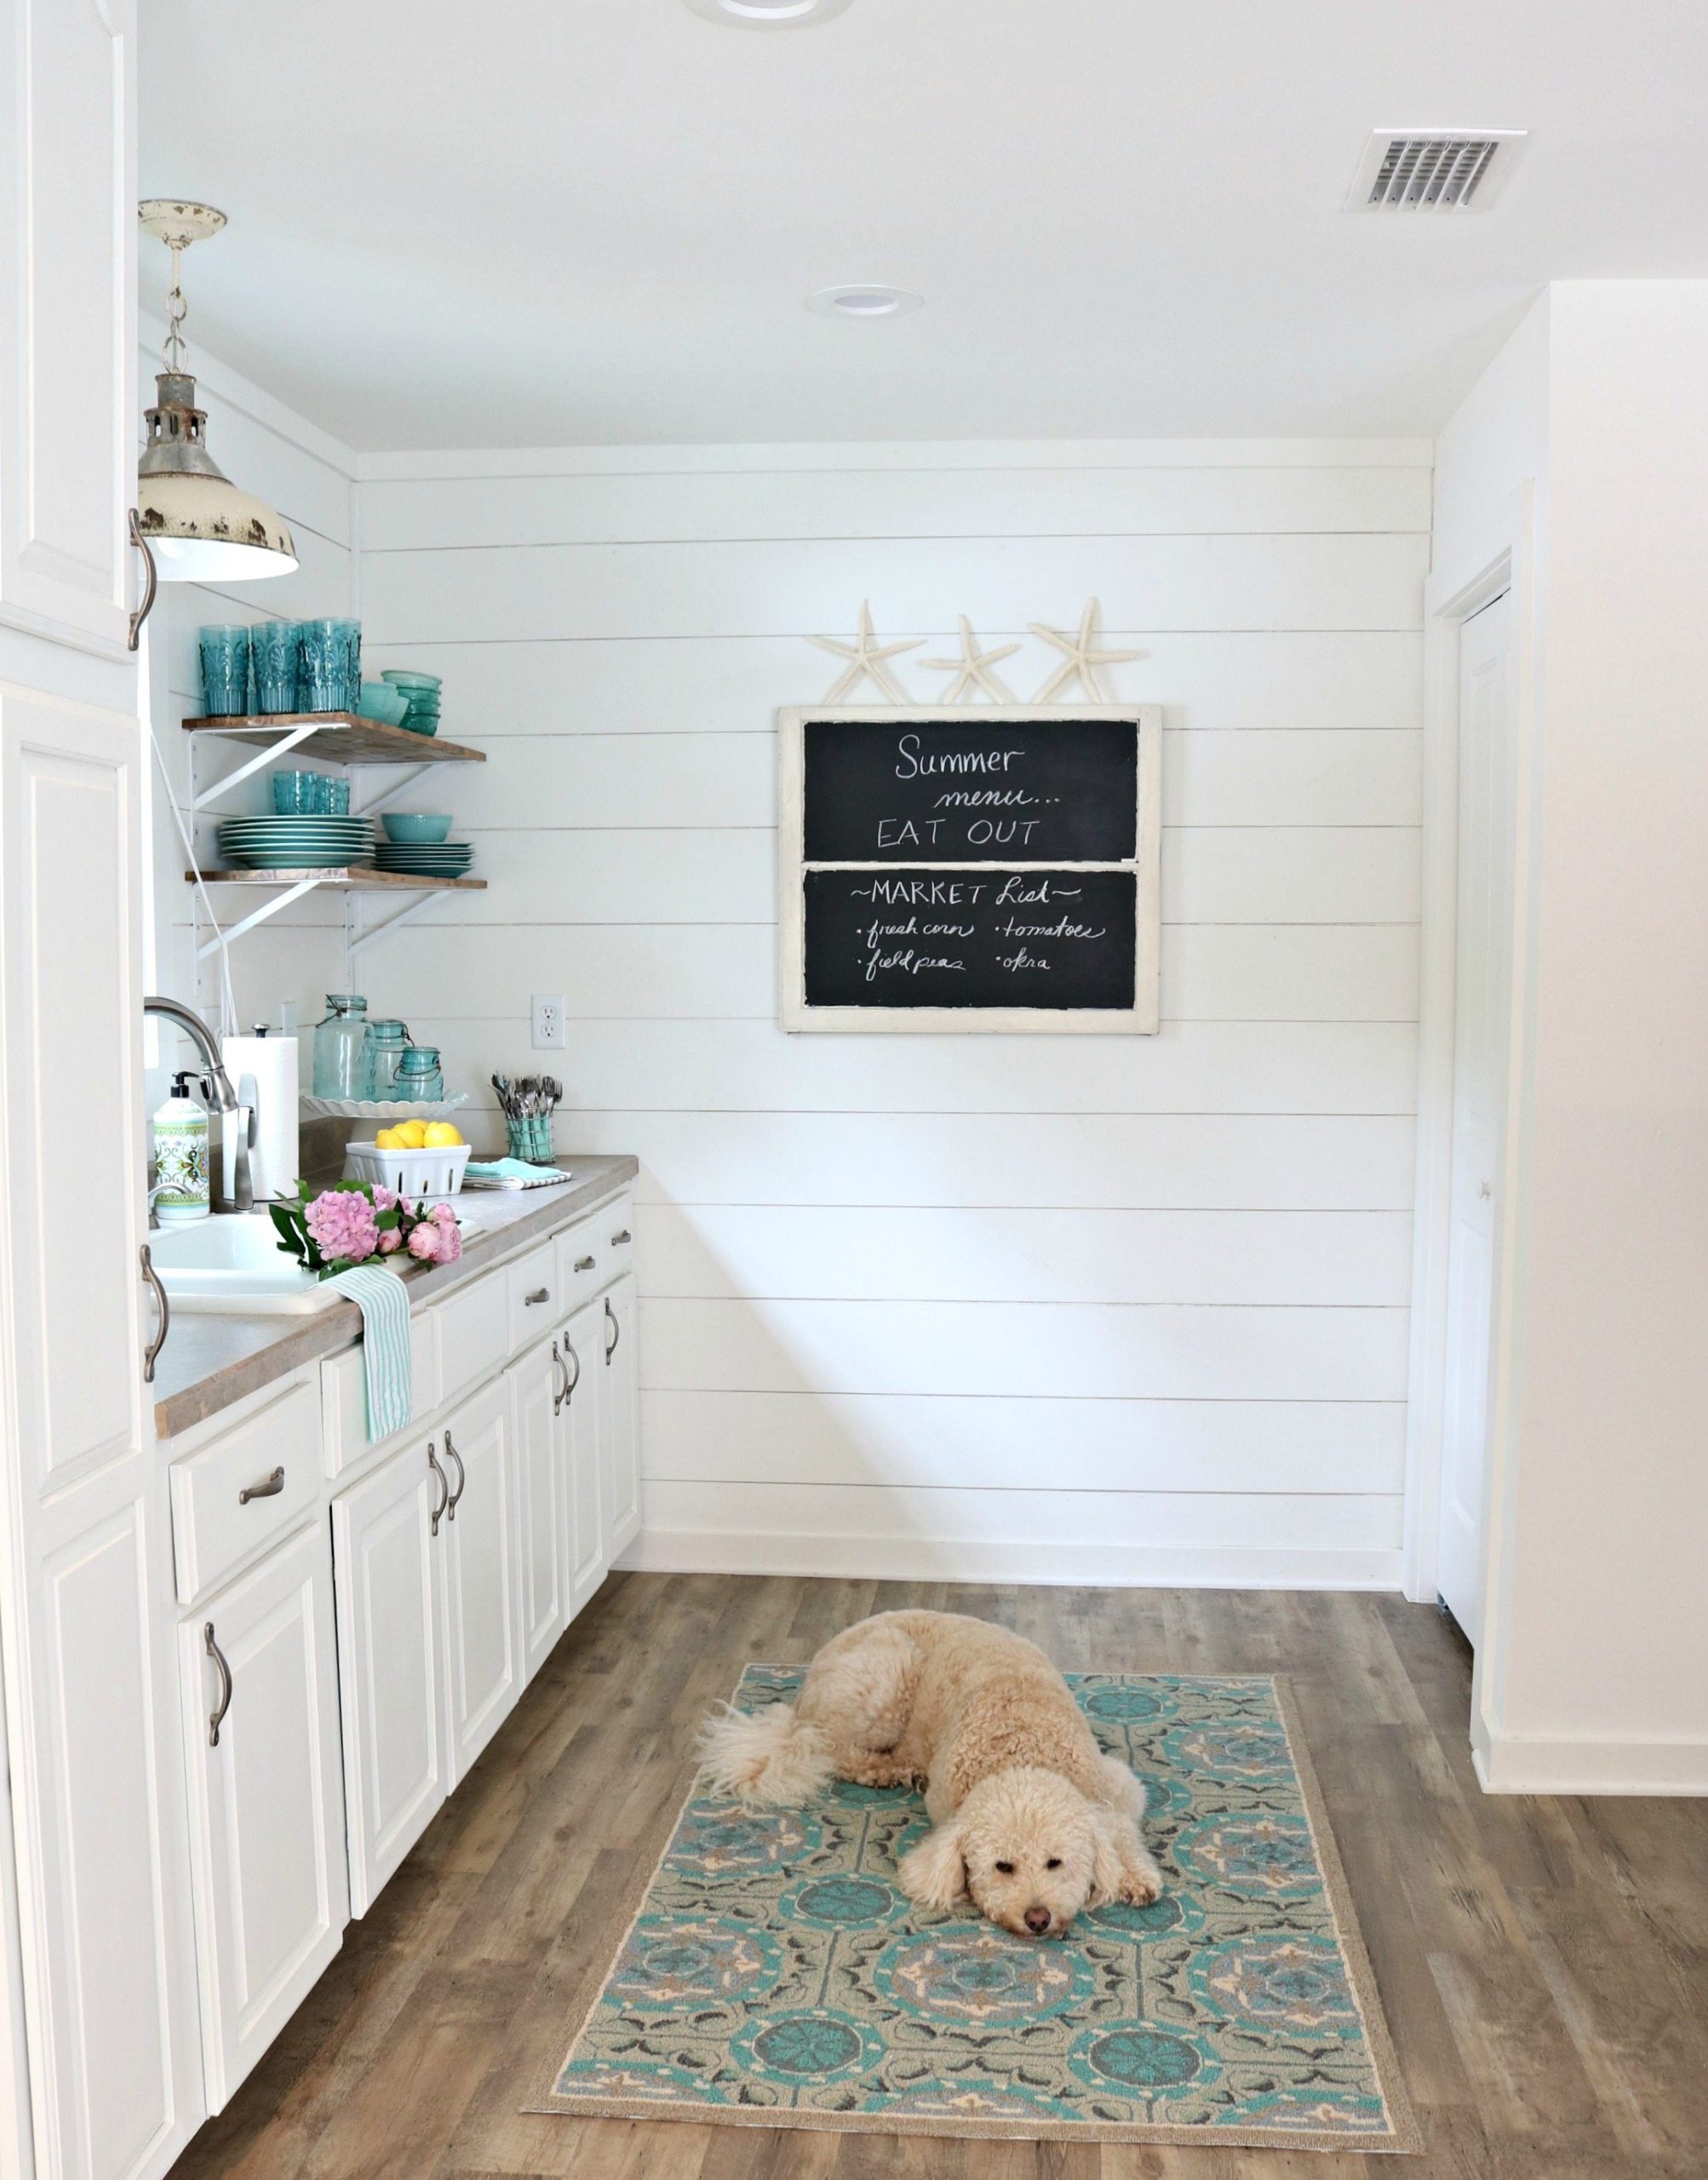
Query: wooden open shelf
341, 738
349, 878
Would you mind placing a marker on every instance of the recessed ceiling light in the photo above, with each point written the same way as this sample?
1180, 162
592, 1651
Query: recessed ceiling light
864, 298
768, 15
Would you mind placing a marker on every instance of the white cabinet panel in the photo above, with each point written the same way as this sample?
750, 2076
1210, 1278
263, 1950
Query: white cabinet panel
477, 1541
619, 1416
582, 1453
536, 1384
69, 417
385, 1547
266, 1802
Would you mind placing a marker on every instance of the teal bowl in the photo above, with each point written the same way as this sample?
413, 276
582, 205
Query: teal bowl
413, 723
380, 700
422, 684
417, 825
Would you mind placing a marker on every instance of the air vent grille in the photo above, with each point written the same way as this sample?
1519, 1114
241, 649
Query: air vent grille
1434, 170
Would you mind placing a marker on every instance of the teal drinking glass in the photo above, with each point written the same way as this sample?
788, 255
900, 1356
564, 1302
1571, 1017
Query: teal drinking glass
276, 646
225, 671
331, 665
296, 792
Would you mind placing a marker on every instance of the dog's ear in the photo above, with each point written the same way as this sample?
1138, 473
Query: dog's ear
1107, 1866
933, 1874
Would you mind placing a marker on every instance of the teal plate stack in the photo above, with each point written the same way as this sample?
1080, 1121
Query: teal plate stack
426, 858
304, 842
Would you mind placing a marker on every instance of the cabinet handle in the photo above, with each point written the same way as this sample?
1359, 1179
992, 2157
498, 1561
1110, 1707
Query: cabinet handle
560, 1393
439, 1511
585, 1264
617, 1240
461, 1480
616, 1329
539, 1294
270, 1490
145, 1257
569, 1389
217, 1717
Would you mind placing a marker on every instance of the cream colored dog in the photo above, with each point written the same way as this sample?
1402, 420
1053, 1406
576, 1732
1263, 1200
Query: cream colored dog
1029, 1815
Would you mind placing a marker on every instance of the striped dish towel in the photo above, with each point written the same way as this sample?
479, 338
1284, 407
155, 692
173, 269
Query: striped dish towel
384, 1302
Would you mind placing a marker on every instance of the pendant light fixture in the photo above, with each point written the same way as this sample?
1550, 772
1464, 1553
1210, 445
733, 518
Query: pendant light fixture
191, 523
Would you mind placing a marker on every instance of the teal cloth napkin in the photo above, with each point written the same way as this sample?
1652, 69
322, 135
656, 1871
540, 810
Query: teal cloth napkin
384, 1302
513, 1169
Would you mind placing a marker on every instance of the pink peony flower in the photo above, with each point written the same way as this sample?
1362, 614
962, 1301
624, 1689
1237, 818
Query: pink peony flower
342, 1223
391, 1240
424, 1242
443, 1214
449, 1244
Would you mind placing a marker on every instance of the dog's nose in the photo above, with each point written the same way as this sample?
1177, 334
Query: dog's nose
1038, 1920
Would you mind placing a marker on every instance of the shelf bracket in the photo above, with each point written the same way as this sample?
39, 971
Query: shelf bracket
258, 916
390, 793
269, 755
358, 939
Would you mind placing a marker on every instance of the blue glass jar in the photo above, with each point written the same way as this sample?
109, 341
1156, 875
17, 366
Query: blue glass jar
419, 1078
342, 1068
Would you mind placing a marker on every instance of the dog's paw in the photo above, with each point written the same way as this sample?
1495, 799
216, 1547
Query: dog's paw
1139, 1887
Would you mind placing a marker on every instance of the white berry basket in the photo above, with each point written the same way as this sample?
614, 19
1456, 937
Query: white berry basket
411, 1173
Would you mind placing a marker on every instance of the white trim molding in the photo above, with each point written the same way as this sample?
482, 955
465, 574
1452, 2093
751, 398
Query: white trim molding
1534, 1764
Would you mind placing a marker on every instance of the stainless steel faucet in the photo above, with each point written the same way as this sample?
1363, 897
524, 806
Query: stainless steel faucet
235, 1192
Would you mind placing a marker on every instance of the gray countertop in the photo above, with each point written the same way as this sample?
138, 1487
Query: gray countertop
209, 1361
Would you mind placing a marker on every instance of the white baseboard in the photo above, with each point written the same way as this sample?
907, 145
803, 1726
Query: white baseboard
924, 1559
1528, 1764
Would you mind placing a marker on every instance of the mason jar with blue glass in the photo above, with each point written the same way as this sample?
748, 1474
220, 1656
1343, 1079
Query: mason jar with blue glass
419, 1078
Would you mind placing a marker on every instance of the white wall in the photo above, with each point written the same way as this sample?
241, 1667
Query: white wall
1126, 1309
283, 458
1592, 1671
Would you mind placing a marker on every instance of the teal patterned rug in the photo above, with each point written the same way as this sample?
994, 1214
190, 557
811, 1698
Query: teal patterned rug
776, 1975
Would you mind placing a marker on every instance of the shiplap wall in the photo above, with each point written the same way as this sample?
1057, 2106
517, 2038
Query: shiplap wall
1020, 1307
285, 458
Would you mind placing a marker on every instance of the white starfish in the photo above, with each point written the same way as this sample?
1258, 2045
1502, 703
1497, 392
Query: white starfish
1081, 657
869, 656
971, 669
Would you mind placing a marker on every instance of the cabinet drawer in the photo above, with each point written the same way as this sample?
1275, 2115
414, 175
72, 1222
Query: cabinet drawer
581, 1264
344, 1395
616, 1231
275, 1458
532, 1286
473, 1334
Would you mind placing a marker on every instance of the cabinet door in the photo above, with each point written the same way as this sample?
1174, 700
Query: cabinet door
582, 1456
69, 418
477, 1552
385, 1553
260, 1716
95, 1761
542, 1590
619, 1415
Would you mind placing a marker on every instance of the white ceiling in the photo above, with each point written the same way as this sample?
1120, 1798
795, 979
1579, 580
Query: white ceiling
552, 221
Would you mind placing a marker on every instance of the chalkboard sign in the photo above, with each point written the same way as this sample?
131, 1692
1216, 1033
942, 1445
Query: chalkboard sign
970, 870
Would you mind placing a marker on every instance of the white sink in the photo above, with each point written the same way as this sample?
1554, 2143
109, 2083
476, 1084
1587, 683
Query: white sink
232, 1262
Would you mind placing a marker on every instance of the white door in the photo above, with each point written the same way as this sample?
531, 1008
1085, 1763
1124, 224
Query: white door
260, 1720
536, 1385
1486, 819
477, 1553
619, 1406
384, 1554
96, 1772
582, 1453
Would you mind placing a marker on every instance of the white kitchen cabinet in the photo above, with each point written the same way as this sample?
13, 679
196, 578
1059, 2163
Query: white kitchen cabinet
536, 1384
260, 1721
386, 1548
478, 1554
69, 418
619, 1416
582, 1455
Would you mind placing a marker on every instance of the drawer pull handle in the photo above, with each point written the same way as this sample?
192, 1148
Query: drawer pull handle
617, 1240
217, 1717
150, 1354
585, 1264
270, 1490
461, 1480
570, 1350
539, 1294
445, 1500
616, 1329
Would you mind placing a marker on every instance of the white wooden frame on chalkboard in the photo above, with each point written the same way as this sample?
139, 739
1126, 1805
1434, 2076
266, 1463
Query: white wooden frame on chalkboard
1141, 1020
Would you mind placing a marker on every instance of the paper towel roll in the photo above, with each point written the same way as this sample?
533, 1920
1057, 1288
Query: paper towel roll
263, 1072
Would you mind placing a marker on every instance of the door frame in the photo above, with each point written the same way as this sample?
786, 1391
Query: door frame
1499, 554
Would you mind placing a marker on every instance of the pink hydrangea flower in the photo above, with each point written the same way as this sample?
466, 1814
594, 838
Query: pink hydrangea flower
342, 1222
385, 1199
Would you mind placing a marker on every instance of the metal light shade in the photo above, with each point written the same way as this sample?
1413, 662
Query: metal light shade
199, 526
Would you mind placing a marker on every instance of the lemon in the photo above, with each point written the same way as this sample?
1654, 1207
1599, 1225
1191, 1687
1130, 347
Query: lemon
388, 1138
411, 1135
440, 1136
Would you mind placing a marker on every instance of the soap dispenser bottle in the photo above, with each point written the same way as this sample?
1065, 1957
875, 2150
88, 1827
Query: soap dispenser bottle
180, 1193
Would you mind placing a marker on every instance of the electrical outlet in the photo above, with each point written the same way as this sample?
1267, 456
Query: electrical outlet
548, 1023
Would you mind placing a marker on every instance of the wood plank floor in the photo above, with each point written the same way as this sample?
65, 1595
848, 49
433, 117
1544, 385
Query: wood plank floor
1544, 1963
